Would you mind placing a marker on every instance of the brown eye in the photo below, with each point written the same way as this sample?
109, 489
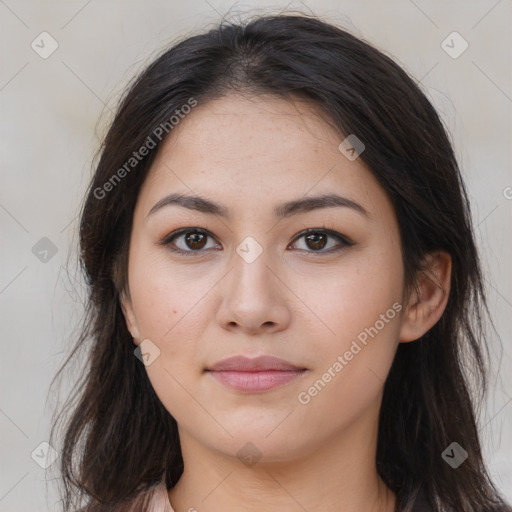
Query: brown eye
195, 240
318, 240
189, 241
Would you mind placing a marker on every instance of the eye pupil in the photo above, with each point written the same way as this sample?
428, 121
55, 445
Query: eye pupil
195, 238
313, 237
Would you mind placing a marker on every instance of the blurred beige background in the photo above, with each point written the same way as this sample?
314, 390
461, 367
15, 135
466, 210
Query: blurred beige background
57, 91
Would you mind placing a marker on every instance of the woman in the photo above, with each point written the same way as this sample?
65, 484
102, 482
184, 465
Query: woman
285, 293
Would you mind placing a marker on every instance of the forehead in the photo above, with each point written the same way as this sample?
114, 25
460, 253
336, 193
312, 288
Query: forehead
262, 127
254, 149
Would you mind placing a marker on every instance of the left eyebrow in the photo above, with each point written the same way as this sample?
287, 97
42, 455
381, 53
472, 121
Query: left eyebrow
307, 204
287, 209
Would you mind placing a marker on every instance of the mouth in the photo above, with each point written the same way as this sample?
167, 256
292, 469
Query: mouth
254, 375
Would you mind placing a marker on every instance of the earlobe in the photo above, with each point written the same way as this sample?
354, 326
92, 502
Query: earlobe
428, 301
129, 315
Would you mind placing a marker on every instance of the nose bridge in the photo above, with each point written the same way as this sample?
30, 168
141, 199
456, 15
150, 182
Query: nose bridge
251, 296
252, 273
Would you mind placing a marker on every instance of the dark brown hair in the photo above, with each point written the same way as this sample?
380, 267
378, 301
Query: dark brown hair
119, 439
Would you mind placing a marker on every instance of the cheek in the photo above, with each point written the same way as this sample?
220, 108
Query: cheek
354, 295
168, 299
351, 393
360, 311
169, 310
349, 375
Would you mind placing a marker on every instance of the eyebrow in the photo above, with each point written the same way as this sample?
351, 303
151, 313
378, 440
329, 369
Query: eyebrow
302, 205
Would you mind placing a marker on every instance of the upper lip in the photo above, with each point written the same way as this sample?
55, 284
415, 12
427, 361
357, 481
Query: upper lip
245, 364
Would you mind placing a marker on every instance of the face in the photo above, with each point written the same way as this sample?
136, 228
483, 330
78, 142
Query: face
247, 279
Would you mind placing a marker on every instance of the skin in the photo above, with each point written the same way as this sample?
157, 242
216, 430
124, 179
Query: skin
251, 154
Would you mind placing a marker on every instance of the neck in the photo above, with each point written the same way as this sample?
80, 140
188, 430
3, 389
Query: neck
338, 475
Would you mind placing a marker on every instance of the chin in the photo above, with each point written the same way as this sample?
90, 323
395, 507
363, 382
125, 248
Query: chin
253, 446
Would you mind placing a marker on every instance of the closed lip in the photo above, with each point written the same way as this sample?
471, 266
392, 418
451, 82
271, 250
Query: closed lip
256, 364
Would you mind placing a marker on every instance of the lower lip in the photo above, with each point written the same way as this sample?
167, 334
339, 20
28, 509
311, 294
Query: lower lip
252, 382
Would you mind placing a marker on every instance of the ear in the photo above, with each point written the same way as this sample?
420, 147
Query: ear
428, 301
129, 315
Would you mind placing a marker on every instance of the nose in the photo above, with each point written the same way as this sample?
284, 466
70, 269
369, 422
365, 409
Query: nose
253, 298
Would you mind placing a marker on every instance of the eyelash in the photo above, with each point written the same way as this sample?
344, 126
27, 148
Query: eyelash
343, 240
